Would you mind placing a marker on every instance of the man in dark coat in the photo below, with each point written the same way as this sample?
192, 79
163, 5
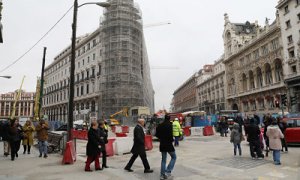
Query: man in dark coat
253, 137
93, 147
5, 137
138, 148
15, 133
240, 121
282, 125
165, 136
103, 136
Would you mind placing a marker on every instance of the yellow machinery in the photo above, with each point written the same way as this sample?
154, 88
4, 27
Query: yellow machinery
114, 121
13, 113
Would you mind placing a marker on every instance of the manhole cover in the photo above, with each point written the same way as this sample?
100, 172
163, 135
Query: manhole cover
240, 163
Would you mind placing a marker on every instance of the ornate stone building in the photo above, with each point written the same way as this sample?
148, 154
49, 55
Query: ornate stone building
254, 62
289, 16
211, 90
185, 97
24, 107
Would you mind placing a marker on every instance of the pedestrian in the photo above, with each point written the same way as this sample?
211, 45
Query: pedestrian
138, 148
5, 137
28, 130
275, 135
93, 147
103, 136
165, 136
177, 131
267, 122
15, 136
253, 137
240, 122
282, 126
236, 138
223, 127
42, 135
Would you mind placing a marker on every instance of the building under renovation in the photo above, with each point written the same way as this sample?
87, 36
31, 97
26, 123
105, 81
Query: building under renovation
111, 68
126, 78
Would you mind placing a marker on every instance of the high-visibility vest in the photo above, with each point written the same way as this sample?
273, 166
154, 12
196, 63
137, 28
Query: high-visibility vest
176, 129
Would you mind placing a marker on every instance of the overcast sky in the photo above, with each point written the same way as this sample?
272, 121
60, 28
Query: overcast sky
193, 39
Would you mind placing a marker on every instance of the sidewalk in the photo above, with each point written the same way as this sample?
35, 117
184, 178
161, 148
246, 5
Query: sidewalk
206, 158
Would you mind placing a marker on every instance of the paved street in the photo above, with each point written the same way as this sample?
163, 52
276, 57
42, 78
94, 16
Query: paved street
198, 158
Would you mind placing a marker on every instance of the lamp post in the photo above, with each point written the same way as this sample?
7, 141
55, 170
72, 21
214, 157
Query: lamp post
7, 77
72, 69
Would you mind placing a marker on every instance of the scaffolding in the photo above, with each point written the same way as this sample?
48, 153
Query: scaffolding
126, 78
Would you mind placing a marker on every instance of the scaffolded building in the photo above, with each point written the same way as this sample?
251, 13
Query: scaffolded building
126, 78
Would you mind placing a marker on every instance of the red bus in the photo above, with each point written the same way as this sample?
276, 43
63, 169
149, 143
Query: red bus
292, 133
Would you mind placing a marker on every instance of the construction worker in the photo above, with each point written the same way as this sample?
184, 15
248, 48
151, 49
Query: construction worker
177, 132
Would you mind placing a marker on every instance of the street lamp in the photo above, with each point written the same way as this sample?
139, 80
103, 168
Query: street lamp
72, 69
7, 77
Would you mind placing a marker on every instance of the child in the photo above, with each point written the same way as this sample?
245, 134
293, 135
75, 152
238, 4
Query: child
236, 138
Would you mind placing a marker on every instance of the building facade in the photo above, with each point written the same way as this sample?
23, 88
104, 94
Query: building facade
111, 69
185, 97
24, 106
254, 66
289, 17
211, 90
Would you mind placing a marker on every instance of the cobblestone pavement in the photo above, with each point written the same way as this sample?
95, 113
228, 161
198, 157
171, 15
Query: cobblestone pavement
198, 158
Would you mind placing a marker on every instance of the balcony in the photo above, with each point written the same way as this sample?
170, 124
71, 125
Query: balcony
292, 60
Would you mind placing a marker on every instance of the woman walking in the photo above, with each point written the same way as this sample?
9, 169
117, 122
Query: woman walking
275, 135
236, 138
93, 148
28, 129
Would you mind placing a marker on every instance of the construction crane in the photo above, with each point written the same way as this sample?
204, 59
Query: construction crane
13, 113
157, 24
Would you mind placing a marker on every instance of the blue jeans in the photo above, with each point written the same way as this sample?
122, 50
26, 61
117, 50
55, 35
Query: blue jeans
43, 147
177, 140
171, 165
239, 147
276, 156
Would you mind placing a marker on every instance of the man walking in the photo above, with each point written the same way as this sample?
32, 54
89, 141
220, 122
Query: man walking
42, 135
103, 136
253, 137
177, 132
164, 134
5, 137
138, 148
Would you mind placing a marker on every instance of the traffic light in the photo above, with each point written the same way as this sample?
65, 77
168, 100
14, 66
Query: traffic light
294, 100
277, 103
283, 100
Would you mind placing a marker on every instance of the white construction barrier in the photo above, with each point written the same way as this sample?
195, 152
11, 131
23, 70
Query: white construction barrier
197, 131
123, 145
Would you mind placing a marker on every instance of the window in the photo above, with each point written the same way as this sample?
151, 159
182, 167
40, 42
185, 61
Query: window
298, 16
87, 73
82, 75
256, 54
94, 56
290, 39
248, 57
88, 46
288, 24
77, 91
298, 2
275, 44
286, 9
94, 42
87, 89
83, 62
291, 53
294, 69
265, 50
78, 65
81, 90
93, 72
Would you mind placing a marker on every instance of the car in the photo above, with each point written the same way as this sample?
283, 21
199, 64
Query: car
292, 132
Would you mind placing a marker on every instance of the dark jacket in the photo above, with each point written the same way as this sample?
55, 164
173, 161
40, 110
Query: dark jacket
5, 131
165, 136
92, 147
138, 140
103, 136
15, 133
253, 133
